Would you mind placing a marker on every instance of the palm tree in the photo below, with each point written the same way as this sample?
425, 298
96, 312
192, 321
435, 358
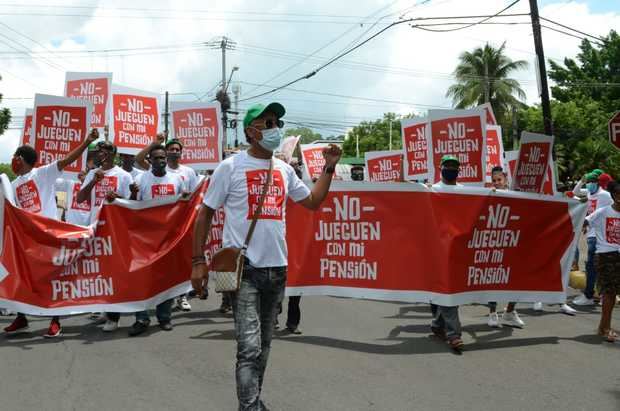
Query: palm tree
482, 76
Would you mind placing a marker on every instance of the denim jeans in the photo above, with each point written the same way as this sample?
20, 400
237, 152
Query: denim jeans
446, 318
293, 315
254, 308
163, 312
590, 268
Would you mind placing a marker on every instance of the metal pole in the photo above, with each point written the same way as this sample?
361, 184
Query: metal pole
544, 93
224, 115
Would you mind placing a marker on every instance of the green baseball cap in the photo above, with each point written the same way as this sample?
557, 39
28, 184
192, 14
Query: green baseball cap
257, 110
597, 171
592, 176
449, 157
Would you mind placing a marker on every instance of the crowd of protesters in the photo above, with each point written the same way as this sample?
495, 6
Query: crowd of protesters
156, 172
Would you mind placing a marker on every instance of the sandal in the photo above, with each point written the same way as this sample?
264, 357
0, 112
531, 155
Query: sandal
456, 343
611, 336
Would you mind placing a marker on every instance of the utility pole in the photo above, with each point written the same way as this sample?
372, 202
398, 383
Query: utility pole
166, 114
540, 54
487, 85
236, 91
515, 132
224, 43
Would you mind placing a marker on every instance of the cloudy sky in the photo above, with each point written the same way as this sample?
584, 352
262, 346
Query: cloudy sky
160, 45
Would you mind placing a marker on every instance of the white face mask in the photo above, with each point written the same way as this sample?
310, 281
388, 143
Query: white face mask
271, 139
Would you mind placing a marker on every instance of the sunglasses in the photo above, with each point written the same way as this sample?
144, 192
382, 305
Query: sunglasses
272, 123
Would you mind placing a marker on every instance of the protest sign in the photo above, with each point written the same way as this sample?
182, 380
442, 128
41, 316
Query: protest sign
313, 160
135, 119
93, 87
549, 186
532, 162
384, 166
287, 147
456, 246
48, 267
489, 115
199, 128
27, 129
59, 126
461, 133
495, 150
414, 135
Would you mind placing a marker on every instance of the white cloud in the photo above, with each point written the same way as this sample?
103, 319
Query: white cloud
426, 56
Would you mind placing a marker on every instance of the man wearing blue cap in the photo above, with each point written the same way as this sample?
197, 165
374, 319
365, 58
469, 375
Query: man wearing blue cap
237, 184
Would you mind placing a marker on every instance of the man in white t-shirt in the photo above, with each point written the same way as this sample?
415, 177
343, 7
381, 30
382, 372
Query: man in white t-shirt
107, 182
237, 184
152, 185
34, 189
597, 198
75, 213
174, 150
605, 223
127, 164
446, 323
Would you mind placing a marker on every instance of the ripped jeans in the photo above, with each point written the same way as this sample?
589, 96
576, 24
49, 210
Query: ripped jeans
255, 308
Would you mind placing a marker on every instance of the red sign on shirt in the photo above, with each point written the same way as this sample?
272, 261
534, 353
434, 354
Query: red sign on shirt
28, 197
103, 187
612, 230
84, 205
162, 190
274, 200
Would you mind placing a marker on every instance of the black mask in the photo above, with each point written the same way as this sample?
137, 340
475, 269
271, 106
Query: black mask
173, 156
449, 174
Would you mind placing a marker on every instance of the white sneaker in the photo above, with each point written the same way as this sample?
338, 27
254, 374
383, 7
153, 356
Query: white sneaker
512, 319
583, 301
184, 304
110, 326
568, 310
538, 307
494, 321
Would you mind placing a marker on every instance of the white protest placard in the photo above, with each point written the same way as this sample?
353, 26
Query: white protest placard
414, 137
534, 158
488, 114
461, 133
93, 87
384, 166
59, 126
198, 126
287, 147
135, 119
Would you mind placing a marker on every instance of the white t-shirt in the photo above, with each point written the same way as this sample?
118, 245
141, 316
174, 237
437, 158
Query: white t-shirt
152, 187
115, 179
605, 223
35, 191
135, 172
76, 213
237, 184
187, 174
598, 200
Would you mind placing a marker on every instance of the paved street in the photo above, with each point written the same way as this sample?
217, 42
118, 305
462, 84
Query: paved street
353, 355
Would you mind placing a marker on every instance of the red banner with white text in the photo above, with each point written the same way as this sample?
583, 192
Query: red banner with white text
138, 256
407, 242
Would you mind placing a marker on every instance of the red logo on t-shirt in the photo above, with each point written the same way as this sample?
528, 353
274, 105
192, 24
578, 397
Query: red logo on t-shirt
103, 187
84, 205
162, 190
592, 205
274, 200
28, 197
612, 230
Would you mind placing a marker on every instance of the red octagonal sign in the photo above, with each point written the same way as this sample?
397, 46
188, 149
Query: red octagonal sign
614, 130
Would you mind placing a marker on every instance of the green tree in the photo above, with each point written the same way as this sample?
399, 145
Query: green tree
373, 136
5, 116
594, 75
482, 76
6, 169
307, 135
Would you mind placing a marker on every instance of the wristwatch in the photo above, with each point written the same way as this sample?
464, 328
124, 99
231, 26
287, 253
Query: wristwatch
329, 170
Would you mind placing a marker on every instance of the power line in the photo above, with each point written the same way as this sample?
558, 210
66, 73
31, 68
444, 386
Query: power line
573, 29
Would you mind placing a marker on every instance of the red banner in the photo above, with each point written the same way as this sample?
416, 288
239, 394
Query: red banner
48, 267
406, 242
532, 162
461, 133
60, 125
93, 87
495, 149
27, 130
198, 127
384, 166
414, 135
135, 119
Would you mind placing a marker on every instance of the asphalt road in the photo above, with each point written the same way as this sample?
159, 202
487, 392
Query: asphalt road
353, 355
